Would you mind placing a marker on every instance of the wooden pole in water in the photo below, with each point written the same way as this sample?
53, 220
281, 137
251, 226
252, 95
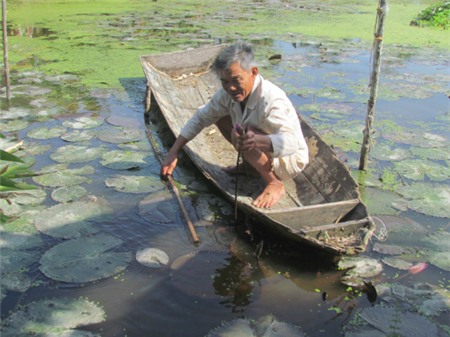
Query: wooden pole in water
377, 48
5, 51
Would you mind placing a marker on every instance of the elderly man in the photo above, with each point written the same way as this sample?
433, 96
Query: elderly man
256, 117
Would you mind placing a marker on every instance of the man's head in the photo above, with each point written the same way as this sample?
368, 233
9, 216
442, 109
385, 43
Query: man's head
236, 70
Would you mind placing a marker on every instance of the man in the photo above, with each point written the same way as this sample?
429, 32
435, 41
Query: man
256, 117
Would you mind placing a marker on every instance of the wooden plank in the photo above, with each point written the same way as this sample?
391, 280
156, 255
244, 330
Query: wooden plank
312, 216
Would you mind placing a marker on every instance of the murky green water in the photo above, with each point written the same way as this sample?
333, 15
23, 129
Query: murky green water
72, 60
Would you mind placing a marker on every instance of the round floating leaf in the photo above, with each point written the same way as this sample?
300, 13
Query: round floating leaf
415, 169
76, 154
434, 153
60, 178
386, 152
83, 123
124, 160
78, 136
117, 135
266, 326
46, 133
14, 265
72, 220
397, 263
440, 259
360, 268
85, 259
430, 199
135, 184
396, 322
142, 145
158, 207
68, 193
152, 257
19, 241
123, 121
14, 125
54, 317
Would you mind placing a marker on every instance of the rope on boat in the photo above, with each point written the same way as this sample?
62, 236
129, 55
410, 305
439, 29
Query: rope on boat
383, 232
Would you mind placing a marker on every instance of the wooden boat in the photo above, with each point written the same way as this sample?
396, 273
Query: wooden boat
322, 207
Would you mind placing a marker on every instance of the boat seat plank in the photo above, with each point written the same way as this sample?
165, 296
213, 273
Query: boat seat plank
315, 215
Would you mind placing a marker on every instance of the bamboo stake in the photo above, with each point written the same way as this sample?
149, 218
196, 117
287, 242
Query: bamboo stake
5, 51
171, 182
377, 48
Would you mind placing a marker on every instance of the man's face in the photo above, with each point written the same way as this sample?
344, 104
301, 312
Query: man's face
238, 82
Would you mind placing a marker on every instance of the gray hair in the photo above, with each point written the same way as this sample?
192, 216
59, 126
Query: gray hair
241, 52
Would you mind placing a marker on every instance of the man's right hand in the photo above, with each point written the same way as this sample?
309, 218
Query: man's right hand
168, 166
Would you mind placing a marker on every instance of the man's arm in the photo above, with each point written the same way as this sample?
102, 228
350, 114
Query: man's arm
170, 162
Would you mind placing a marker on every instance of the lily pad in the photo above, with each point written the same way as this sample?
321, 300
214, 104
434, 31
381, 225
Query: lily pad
415, 169
54, 317
83, 122
141, 145
118, 135
14, 125
68, 193
134, 184
266, 326
124, 160
19, 240
76, 154
123, 121
14, 266
60, 178
72, 220
152, 257
78, 136
359, 268
392, 321
85, 259
430, 199
385, 152
46, 133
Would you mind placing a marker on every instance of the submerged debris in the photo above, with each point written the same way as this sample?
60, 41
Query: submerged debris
152, 257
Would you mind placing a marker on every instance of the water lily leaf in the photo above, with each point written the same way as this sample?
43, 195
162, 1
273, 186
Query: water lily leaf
427, 299
417, 170
13, 272
386, 152
54, 317
30, 197
14, 125
397, 263
152, 257
84, 259
46, 133
359, 268
74, 219
23, 223
158, 207
265, 326
124, 160
141, 145
19, 241
383, 202
404, 324
430, 199
135, 184
78, 136
434, 153
438, 241
118, 135
68, 193
123, 121
83, 122
60, 178
440, 259
76, 154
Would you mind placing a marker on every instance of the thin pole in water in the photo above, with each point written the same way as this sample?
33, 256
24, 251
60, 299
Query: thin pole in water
377, 48
5, 51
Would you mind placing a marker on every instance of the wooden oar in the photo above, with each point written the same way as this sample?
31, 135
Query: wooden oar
171, 182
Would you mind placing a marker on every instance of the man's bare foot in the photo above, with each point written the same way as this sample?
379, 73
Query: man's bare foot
270, 196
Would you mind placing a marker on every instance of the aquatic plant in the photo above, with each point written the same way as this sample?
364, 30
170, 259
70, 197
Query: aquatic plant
437, 15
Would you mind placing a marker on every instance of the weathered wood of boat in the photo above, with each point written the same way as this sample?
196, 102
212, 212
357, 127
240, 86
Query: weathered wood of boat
322, 206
